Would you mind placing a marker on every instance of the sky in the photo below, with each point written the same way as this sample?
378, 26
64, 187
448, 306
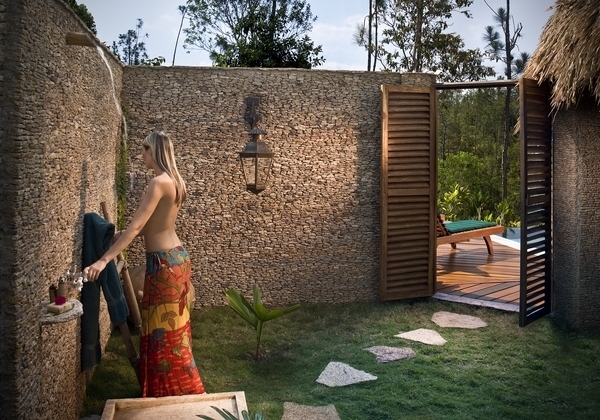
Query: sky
334, 28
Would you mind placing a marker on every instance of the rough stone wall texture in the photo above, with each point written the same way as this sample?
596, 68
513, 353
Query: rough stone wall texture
59, 132
60, 344
576, 216
313, 234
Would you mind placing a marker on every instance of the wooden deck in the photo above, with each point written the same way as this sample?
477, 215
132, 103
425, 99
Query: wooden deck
468, 274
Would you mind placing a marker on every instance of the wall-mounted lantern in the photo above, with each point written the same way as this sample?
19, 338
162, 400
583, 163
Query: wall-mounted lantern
256, 158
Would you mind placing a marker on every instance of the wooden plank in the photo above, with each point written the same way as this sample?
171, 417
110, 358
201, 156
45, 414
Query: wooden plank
469, 271
485, 293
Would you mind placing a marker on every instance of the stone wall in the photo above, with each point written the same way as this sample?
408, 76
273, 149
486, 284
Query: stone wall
313, 234
59, 133
576, 216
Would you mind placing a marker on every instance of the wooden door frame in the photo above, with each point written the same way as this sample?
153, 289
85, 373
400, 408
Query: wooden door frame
536, 277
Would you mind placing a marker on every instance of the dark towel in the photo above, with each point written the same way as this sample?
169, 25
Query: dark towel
97, 235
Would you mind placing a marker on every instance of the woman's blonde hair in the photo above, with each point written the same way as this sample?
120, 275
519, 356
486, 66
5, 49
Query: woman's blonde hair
163, 154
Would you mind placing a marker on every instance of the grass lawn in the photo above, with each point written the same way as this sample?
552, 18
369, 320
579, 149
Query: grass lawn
498, 372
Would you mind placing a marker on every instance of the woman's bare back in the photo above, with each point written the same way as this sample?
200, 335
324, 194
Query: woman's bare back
159, 231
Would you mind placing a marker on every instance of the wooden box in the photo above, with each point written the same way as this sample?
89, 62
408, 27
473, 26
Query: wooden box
181, 408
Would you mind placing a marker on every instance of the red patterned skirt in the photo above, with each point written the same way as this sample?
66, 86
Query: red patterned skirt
167, 365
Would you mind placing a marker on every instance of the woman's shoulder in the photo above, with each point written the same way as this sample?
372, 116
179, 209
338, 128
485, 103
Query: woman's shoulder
162, 183
162, 180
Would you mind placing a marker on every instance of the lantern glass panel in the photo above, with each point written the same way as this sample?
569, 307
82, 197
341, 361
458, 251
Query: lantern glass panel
249, 169
263, 169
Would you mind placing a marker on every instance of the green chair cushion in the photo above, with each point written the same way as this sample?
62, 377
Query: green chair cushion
466, 225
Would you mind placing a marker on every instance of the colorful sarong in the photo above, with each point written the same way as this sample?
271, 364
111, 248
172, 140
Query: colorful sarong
167, 365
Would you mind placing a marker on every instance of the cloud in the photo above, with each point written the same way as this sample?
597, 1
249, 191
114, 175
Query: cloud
337, 39
336, 65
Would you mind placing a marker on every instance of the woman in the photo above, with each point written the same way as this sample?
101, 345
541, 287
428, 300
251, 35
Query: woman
167, 365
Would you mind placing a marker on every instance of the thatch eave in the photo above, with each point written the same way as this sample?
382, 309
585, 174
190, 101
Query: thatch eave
568, 54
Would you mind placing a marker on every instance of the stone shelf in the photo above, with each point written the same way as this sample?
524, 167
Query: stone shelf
49, 318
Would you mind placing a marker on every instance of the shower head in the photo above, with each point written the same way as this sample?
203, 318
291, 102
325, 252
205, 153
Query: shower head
77, 38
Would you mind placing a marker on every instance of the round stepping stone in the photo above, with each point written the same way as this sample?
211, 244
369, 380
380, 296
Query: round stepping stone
341, 374
452, 320
386, 354
424, 336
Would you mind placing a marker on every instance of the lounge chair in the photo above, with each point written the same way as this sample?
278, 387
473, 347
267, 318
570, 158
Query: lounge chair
464, 230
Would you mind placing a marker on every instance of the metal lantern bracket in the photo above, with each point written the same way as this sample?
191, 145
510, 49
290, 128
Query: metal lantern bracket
251, 116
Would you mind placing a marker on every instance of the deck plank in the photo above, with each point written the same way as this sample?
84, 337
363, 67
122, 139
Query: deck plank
469, 271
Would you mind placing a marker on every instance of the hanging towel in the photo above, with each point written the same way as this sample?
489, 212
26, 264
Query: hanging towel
97, 235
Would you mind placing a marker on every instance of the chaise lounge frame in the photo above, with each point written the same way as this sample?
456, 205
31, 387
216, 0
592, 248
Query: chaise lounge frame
445, 237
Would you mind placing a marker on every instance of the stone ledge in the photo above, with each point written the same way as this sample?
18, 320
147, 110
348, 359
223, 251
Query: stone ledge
49, 318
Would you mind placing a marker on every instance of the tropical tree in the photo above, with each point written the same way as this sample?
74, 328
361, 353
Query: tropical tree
131, 49
153, 62
470, 133
414, 39
500, 49
519, 63
83, 13
183, 11
367, 32
253, 33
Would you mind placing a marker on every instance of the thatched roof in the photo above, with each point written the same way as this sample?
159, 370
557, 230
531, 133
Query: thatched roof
568, 55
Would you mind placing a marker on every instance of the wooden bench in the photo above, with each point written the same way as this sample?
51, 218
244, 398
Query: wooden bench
465, 230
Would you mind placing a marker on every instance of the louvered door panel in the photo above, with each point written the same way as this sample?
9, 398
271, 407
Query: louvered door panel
536, 202
408, 191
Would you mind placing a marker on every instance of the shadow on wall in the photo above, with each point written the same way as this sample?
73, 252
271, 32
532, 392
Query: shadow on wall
78, 232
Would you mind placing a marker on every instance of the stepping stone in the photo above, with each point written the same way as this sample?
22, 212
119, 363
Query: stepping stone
424, 336
341, 374
451, 320
389, 354
293, 411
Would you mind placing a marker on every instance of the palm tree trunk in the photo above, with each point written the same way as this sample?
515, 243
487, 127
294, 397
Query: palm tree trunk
370, 44
417, 65
183, 11
507, 128
505, 144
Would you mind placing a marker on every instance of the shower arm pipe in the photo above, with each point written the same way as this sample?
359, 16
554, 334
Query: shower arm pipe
78, 38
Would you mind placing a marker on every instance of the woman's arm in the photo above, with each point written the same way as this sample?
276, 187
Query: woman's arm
118, 235
149, 202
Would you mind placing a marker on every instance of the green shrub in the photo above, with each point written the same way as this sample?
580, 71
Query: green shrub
255, 314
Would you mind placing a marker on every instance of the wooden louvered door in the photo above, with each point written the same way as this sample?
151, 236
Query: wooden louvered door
408, 192
536, 202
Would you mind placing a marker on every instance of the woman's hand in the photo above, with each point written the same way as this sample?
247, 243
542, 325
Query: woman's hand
92, 272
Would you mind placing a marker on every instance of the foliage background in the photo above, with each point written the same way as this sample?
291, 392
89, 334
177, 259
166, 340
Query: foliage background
470, 136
